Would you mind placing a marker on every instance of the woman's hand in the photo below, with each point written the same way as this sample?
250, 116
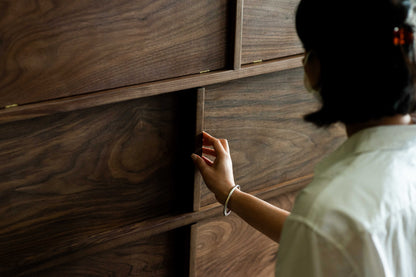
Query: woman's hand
217, 174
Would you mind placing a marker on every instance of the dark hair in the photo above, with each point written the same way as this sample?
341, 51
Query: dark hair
364, 75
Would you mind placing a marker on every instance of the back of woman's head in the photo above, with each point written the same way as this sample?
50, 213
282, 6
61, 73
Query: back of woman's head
365, 73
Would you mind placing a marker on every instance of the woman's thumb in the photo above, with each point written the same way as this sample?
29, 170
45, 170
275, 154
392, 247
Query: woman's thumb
199, 162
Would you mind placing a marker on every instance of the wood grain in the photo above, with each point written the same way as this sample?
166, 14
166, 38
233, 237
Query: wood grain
153, 256
230, 247
96, 174
72, 176
53, 49
100, 98
119, 237
148, 248
199, 121
262, 118
269, 30
238, 33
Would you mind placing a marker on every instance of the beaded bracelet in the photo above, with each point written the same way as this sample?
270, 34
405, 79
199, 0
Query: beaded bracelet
226, 211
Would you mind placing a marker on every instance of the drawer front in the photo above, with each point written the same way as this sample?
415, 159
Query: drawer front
71, 176
159, 255
262, 119
228, 246
53, 49
269, 30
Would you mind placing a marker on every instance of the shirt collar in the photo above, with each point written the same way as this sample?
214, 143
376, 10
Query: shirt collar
387, 137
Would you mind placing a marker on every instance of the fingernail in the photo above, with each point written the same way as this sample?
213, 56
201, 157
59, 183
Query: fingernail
194, 157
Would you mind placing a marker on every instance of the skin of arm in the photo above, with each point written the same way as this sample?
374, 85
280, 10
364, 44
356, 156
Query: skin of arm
219, 178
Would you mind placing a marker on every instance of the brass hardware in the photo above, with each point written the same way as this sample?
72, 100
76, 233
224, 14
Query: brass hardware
11, 106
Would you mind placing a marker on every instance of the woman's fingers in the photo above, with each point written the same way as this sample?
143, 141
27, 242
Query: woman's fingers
224, 143
218, 172
208, 161
207, 139
218, 145
209, 151
202, 162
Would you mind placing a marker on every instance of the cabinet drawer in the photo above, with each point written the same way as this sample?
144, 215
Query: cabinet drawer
71, 176
158, 255
269, 30
228, 246
262, 119
53, 49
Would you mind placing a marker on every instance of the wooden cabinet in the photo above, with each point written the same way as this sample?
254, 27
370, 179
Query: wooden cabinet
104, 102
53, 49
71, 176
227, 246
261, 117
268, 30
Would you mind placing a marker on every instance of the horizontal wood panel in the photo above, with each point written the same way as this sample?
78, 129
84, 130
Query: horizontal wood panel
269, 30
120, 237
227, 246
68, 177
52, 49
153, 256
262, 119
144, 90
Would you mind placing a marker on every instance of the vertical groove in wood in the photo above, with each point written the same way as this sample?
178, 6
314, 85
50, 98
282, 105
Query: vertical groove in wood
200, 103
182, 248
184, 141
238, 34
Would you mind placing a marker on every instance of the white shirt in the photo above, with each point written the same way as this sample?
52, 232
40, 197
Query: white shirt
358, 216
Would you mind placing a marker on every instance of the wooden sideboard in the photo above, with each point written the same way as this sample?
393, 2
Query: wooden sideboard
102, 104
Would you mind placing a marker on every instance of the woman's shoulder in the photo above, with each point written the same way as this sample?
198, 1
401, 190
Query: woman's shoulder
359, 197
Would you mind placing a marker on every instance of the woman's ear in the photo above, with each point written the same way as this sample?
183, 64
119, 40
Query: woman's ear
312, 67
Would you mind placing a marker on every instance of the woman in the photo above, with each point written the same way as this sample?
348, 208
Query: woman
358, 216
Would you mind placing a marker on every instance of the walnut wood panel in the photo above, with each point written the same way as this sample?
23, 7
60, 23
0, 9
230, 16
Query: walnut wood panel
262, 118
52, 49
227, 246
269, 30
155, 256
68, 177
143, 90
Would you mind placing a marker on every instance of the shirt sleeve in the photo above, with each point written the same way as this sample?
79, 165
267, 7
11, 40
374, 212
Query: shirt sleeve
305, 252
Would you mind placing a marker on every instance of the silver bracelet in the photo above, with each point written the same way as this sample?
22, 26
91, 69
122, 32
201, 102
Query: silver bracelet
226, 211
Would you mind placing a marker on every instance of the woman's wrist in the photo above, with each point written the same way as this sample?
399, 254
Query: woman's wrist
222, 194
227, 210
